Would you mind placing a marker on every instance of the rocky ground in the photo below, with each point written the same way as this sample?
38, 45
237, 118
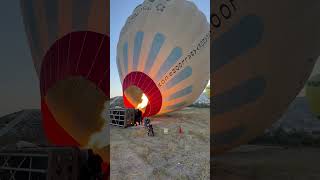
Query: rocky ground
297, 127
134, 155
25, 125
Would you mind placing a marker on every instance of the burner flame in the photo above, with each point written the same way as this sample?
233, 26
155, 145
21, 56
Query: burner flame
143, 103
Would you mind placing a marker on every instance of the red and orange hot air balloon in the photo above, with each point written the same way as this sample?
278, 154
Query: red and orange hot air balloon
69, 41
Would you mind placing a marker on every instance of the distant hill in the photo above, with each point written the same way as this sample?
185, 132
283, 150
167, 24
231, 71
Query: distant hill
25, 125
298, 117
202, 101
297, 126
116, 101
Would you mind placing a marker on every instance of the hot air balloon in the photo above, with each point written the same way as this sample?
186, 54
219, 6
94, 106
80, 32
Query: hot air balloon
69, 42
313, 94
262, 54
163, 56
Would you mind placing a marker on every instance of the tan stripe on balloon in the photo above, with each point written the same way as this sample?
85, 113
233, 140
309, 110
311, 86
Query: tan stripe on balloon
160, 59
41, 19
181, 85
239, 70
65, 17
99, 17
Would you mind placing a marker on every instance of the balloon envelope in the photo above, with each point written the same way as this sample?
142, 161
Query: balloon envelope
70, 47
163, 52
262, 54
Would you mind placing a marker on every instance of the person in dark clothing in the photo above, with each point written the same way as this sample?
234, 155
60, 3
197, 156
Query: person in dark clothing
146, 122
135, 117
150, 130
148, 125
138, 117
97, 167
94, 165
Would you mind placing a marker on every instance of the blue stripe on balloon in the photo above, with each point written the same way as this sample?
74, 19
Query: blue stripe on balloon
157, 43
119, 68
175, 106
246, 92
181, 93
125, 57
243, 36
184, 74
80, 13
137, 49
174, 56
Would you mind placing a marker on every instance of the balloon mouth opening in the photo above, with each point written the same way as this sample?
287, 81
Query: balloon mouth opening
141, 92
137, 98
77, 106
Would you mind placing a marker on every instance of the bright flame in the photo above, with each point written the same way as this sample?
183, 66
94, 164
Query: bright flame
144, 102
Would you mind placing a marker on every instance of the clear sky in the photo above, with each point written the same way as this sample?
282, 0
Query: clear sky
19, 85
120, 10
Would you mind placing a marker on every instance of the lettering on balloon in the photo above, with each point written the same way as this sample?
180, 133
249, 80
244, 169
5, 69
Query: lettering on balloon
138, 10
225, 12
146, 7
185, 59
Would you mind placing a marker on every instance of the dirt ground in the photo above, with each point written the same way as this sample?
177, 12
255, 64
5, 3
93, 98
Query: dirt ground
186, 155
252, 162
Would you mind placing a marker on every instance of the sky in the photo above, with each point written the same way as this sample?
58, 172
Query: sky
19, 87
119, 13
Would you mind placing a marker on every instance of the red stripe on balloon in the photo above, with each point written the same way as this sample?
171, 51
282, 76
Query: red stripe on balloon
126, 102
85, 54
148, 87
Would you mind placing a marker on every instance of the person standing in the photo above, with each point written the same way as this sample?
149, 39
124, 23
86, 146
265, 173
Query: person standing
139, 116
150, 130
146, 122
136, 116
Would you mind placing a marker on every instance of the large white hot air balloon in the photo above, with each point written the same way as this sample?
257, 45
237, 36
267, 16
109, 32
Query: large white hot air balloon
163, 55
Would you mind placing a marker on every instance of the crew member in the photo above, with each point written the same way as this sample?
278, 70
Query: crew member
138, 117
150, 130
